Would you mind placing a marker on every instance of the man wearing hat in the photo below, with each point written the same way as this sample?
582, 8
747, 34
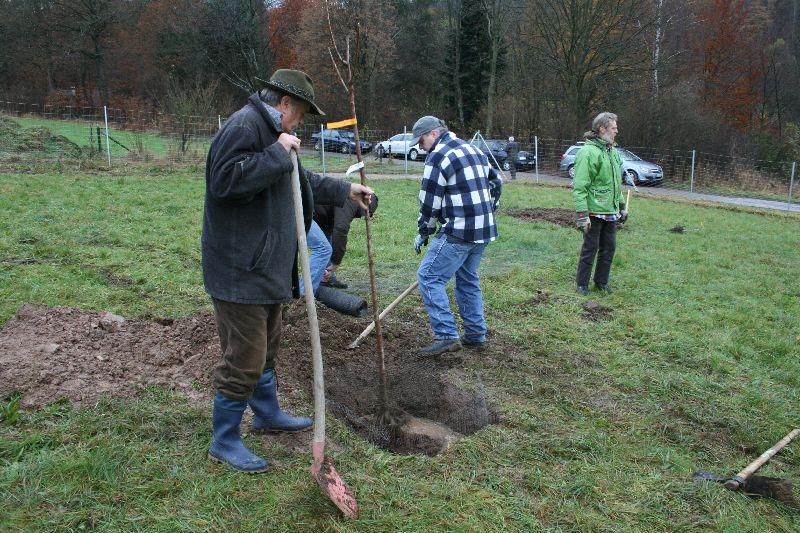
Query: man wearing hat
249, 254
459, 194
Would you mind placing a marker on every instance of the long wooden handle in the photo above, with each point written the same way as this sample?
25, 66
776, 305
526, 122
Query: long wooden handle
311, 308
383, 314
739, 479
628, 202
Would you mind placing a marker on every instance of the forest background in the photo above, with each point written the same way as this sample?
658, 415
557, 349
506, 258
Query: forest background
720, 76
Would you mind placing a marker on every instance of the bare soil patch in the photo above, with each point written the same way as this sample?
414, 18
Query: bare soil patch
49, 354
595, 312
540, 298
557, 216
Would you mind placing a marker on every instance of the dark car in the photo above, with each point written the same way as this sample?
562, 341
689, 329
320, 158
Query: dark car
497, 148
340, 141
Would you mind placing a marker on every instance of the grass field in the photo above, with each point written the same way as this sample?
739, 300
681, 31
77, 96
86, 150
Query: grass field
604, 422
144, 147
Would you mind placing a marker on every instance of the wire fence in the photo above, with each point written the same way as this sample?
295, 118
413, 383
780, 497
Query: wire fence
36, 136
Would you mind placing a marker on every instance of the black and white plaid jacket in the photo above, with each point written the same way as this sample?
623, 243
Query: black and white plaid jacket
460, 191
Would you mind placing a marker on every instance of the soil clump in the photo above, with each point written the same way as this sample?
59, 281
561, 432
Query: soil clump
595, 312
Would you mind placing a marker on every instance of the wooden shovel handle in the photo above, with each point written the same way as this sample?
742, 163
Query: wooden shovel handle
311, 308
383, 314
736, 482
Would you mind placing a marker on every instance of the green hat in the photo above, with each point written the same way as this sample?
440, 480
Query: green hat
296, 83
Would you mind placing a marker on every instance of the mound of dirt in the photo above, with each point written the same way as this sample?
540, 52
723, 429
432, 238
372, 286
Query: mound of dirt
595, 312
557, 216
49, 354
37, 139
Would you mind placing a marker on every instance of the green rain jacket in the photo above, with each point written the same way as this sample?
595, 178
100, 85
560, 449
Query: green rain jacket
597, 187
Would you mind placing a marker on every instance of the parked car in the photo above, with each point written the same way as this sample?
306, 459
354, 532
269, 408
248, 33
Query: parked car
340, 141
497, 148
397, 146
635, 170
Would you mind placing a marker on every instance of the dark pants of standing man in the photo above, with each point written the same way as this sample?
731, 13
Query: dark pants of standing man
249, 336
601, 240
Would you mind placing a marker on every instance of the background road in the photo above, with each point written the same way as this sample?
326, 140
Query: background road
415, 169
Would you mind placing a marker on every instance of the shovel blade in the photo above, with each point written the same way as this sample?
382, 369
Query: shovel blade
703, 475
332, 484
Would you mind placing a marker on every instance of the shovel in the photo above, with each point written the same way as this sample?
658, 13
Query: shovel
771, 487
353, 345
322, 469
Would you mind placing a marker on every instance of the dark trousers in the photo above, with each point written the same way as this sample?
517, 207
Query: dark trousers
249, 336
601, 241
513, 170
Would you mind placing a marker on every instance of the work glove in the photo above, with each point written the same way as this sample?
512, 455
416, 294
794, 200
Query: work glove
419, 242
495, 190
583, 223
623, 213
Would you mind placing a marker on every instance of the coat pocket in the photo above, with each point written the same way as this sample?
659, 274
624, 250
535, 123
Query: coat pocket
263, 253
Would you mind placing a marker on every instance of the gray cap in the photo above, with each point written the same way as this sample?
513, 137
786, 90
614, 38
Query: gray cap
425, 125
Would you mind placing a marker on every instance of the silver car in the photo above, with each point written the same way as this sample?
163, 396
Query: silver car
636, 170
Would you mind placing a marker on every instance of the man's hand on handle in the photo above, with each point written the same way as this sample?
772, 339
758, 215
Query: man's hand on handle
583, 223
623, 212
361, 195
289, 142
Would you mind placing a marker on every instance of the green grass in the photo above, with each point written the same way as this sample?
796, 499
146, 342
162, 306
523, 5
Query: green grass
698, 368
85, 134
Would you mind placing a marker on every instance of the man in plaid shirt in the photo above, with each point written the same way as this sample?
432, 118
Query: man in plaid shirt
459, 192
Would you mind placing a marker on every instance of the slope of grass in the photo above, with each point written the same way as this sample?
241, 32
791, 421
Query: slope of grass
604, 422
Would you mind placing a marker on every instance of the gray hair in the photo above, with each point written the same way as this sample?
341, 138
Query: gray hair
603, 120
273, 97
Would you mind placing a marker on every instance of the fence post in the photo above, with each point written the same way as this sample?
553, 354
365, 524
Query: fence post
322, 145
791, 186
691, 182
536, 154
405, 155
219, 121
108, 144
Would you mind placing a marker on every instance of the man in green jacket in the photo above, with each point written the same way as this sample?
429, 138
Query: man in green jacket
597, 192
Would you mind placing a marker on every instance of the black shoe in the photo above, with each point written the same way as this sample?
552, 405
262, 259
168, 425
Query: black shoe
603, 288
583, 290
478, 345
441, 346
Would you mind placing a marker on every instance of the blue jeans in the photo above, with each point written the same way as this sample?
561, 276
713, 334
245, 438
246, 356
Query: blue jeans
442, 261
321, 252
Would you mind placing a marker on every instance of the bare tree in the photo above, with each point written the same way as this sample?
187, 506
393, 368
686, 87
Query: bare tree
591, 47
498, 14
453, 11
89, 22
190, 104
